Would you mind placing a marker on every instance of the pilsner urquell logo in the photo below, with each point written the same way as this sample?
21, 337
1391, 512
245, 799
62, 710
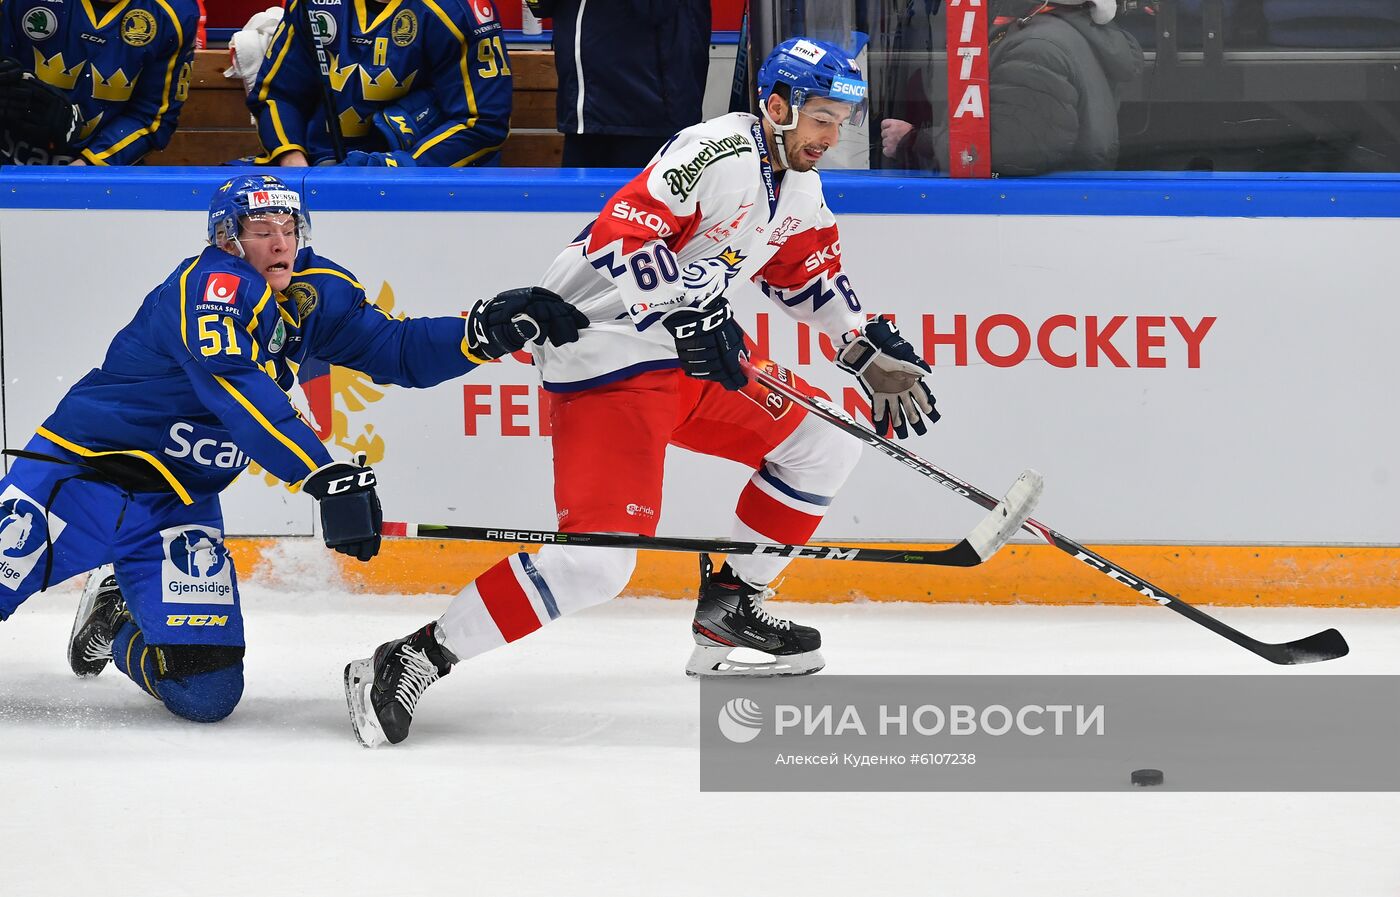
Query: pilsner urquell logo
682, 179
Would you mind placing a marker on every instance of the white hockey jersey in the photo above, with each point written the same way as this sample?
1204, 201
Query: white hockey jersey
704, 212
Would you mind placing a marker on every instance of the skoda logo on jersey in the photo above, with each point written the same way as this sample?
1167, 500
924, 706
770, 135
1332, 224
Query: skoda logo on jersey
278, 338
25, 529
40, 24
196, 568
323, 26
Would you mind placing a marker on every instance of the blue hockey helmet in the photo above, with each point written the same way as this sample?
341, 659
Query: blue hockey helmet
251, 196
814, 68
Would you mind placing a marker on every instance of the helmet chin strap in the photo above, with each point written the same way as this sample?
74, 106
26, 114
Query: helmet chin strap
779, 131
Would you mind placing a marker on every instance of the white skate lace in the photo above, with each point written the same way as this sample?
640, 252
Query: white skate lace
99, 647
761, 613
418, 673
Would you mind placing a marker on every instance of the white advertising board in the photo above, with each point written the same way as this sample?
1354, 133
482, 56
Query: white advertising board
1178, 380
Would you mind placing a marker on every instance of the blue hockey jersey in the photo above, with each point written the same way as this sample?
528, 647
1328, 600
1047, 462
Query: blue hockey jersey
378, 54
196, 384
126, 65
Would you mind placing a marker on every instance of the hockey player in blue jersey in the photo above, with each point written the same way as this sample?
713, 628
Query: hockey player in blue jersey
128, 468
123, 66
413, 82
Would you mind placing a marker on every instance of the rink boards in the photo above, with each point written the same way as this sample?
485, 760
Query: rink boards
1201, 368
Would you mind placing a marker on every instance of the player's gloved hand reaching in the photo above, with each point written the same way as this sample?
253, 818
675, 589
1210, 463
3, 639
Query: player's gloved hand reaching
361, 159
34, 112
709, 342
507, 321
351, 518
892, 375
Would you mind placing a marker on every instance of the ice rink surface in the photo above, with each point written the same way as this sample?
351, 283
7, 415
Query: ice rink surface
567, 764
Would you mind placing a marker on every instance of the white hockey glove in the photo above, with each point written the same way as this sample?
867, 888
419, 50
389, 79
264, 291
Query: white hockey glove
892, 375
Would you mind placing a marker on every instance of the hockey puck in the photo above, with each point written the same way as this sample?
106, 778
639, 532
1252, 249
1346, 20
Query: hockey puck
1144, 778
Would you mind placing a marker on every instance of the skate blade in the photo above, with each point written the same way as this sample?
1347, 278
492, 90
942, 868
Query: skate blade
359, 677
713, 662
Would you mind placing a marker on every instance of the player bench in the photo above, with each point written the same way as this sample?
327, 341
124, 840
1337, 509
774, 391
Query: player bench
215, 126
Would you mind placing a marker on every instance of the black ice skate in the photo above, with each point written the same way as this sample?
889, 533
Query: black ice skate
100, 614
731, 615
383, 691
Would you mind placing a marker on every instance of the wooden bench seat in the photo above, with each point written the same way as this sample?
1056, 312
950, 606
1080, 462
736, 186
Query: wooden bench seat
215, 125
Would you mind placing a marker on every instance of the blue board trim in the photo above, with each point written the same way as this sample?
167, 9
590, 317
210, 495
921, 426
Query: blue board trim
576, 190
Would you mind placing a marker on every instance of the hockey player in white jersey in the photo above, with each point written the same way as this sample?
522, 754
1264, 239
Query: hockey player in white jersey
734, 197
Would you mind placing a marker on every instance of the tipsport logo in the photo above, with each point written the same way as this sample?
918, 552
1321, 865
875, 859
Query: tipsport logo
740, 720
25, 528
196, 568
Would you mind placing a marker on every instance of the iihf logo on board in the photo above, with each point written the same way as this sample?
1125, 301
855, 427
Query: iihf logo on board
196, 568
25, 529
740, 720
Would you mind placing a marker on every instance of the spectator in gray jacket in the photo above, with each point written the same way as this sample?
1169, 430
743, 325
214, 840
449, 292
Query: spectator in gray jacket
1056, 70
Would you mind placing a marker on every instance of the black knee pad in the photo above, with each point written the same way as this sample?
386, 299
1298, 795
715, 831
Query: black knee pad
182, 661
202, 683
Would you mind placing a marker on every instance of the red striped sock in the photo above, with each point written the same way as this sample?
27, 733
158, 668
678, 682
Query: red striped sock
764, 514
507, 602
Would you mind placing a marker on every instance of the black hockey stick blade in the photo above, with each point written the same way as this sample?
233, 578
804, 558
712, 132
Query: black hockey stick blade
963, 554
1326, 645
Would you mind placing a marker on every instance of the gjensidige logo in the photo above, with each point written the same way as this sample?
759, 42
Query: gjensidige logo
740, 720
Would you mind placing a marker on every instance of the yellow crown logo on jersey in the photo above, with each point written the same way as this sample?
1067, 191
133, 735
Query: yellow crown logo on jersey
115, 87
89, 127
732, 257
385, 88
351, 125
340, 75
51, 71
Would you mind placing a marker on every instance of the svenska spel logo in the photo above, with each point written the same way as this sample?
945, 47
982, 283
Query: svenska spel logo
740, 720
221, 287
197, 553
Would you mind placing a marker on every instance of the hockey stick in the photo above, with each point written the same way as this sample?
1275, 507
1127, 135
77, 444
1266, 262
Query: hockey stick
985, 540
323, 60
1326, 645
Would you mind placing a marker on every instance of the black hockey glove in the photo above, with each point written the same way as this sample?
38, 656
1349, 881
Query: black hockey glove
709, 342
892, 375
11, 71
506, 322
350, 514
36, 113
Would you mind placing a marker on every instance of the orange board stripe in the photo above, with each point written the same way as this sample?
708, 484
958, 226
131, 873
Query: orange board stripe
1242, 575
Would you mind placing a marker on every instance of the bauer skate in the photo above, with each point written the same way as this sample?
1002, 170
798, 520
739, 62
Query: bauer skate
731, 615
383, 691
100, 614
